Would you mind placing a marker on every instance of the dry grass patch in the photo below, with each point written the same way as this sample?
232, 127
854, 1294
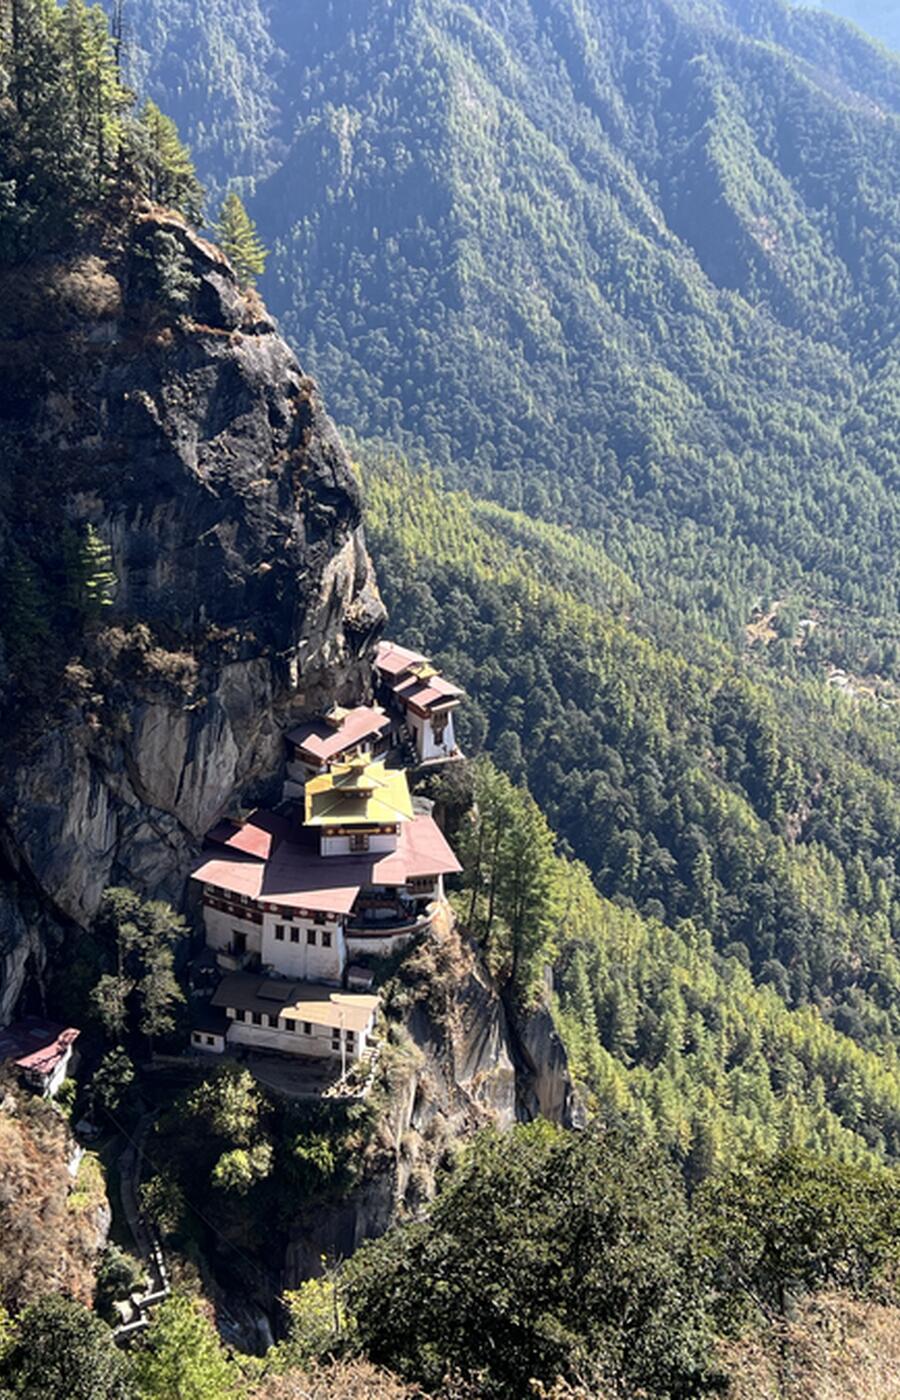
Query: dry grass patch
837, 1349
49, 1224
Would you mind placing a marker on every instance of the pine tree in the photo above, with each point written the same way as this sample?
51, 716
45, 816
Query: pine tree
25, 617
182, 1356
164, 164
91, 580
61, 121
164, 271
237, 234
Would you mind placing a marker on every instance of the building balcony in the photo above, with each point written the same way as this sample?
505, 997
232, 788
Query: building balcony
365, 924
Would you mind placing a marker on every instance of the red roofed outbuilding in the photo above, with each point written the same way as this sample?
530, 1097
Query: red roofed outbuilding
41, 1050
414, 689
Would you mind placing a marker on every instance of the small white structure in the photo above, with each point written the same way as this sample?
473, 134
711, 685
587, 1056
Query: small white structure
414, 690
40, 1050
298, 1018
210, 1041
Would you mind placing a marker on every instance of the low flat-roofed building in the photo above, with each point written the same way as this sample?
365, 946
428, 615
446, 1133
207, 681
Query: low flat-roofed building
296, 1018
41, 1050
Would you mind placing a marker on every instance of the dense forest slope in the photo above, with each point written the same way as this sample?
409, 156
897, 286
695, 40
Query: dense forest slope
733, 808
633, 267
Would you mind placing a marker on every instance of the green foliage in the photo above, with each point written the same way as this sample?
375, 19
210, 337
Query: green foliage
69, 142
112, 1080
513, 907
247, 1166
26, 614
546, 1255
118, 1275
319, 1324
162, 1201
61, 121
311, 1161
163, 272
796, 1224
164, 164
90, 580
237, 235
229, 1105
61, 1351
242, 1168
141, 993
182, 1356
755, 816
7, 1335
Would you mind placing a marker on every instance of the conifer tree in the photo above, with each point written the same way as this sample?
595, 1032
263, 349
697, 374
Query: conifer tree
237, 234
164, 164
25, 617
183, 1356
61, 120
91, 580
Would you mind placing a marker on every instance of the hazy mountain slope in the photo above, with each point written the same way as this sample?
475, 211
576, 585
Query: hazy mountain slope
878, 17
632, 266
763, 809
749, 1001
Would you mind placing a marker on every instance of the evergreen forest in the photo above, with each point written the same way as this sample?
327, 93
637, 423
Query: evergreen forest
604, 297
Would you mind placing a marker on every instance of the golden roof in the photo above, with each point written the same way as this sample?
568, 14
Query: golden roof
358, 792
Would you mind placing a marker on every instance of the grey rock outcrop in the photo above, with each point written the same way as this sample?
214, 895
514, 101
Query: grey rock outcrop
192, 443
544, 1083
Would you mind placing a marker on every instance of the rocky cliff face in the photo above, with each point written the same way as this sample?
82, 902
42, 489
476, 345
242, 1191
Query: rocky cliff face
146, 396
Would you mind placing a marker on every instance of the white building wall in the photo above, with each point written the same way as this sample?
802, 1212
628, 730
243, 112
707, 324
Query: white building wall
50, 1085
296, 956
340, 845
209, 1041
320, 1042
377, 945
427, 747
221, 926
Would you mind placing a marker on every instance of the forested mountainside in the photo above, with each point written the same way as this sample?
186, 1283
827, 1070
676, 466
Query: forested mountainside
627, 266
622, 275
756, 818
878, 17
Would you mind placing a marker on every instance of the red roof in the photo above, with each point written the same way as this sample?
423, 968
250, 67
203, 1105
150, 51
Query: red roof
433, 691
393, 660
322, 742
297, 876
421, 851
258, 836
35, 1044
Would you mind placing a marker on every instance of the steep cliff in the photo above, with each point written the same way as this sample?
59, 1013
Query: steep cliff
148, 397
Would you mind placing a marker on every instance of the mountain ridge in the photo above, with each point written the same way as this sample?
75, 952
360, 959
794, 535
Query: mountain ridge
510, 251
